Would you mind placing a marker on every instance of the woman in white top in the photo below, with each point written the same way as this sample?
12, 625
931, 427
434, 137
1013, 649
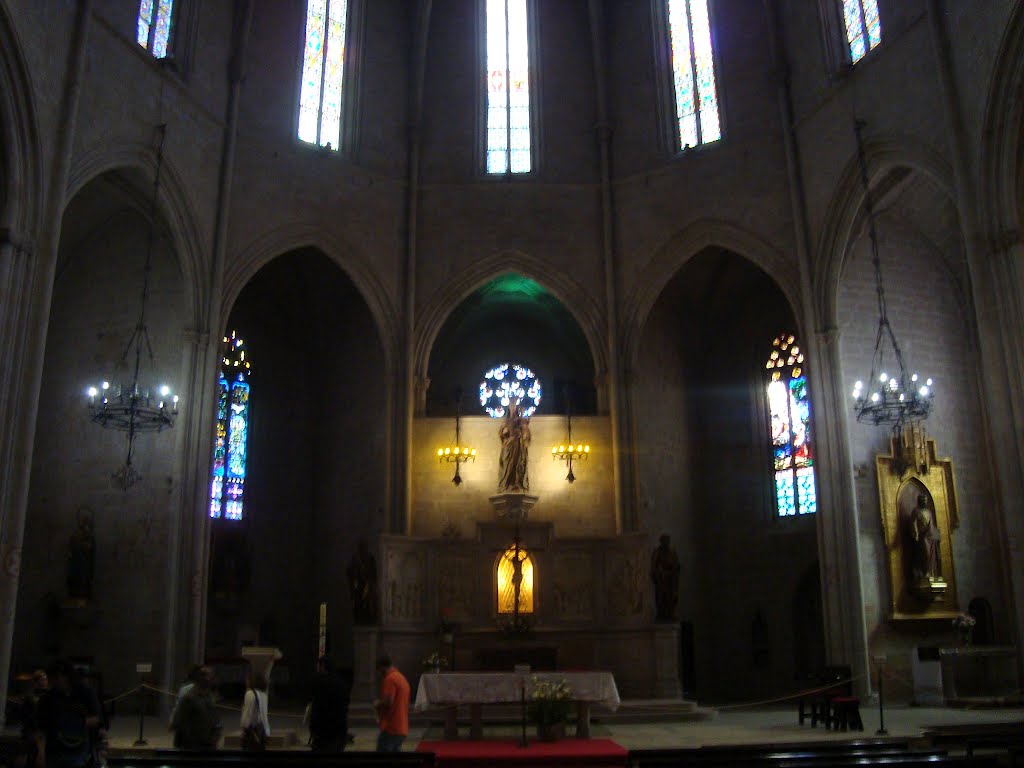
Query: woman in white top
255, 725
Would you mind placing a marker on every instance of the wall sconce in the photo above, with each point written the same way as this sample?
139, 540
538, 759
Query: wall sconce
456, 453
568, 452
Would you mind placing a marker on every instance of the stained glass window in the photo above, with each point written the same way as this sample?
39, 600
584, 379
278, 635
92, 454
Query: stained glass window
507, 572
789, 411
508, 87
863, 27
323, 69
153, 31
693, 73
227, 477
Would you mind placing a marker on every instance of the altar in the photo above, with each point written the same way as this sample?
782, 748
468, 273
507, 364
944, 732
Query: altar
451, 689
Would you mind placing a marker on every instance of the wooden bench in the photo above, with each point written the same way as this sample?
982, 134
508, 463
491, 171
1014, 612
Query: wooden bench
283, 758
808, 756
958, 735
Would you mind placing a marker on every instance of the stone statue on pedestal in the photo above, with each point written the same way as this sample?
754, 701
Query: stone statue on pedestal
515, 447
665, 575
81, 558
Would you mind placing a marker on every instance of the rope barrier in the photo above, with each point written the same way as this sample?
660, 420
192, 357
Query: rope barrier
228, 707
794, 696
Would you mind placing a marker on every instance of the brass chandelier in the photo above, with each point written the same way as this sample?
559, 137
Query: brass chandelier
891, 399
127, 406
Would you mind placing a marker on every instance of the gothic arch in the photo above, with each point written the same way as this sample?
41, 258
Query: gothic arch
173, 205
842, 214
572, 296
20, 158
683, 246
246, 262
1001, 170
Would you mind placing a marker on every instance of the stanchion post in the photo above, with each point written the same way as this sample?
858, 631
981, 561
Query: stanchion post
522, 713
143, 669
880, 661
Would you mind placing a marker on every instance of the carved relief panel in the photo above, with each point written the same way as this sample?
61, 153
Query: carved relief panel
626, 574
404, 580
572, 591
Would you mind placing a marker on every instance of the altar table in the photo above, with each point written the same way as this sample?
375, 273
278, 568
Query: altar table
450, 689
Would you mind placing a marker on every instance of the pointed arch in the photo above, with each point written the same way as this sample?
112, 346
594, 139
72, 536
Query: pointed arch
246, 262
683, 246
21, 172
845, 209
576, 301
174, 205
1002, 175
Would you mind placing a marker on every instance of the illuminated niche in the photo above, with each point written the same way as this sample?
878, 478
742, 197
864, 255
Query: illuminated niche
506, 586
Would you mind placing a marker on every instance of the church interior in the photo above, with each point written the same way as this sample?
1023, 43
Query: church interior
265, 266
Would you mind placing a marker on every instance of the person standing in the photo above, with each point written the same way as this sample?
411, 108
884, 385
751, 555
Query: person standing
392, 706
196, 722
328, 710
254, 722
66, 714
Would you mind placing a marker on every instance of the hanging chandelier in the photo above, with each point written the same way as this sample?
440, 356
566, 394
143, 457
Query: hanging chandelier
568, 452
457, 453
126, 406
891, 399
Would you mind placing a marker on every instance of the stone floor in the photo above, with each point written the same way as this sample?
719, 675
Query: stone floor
724, 726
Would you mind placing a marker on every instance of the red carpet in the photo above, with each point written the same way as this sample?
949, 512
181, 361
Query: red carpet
507, 753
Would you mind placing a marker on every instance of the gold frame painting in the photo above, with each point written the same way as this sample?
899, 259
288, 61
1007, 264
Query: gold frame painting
912, 470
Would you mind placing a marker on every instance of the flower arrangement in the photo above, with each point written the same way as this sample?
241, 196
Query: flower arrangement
549, 701
446, 626
435, 661
964, 624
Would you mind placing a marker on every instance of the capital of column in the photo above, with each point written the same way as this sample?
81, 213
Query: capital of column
196, 337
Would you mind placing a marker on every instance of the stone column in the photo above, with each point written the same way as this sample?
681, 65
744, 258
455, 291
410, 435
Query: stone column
838, 525
15, 278
188, 532
26, 289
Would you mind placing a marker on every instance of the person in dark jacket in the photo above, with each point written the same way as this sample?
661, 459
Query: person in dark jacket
196, 721
328, 716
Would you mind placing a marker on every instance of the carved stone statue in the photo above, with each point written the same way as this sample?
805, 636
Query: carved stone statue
665, 575
924, 538
81, 558
362, 584
515, 448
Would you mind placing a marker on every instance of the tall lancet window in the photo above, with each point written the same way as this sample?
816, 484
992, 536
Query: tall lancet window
227, 483
789, 411
693, 73
508, 87
323, 69
863, 27
153, 31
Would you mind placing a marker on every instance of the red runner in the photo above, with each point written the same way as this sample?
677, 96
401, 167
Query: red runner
507, 753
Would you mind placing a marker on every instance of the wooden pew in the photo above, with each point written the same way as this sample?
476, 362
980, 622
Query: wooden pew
803, 756
277, 758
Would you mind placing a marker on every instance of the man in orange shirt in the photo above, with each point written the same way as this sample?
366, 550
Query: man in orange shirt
392, 706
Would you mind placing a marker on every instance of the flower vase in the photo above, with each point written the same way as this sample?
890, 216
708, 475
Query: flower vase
550, 731
966, 635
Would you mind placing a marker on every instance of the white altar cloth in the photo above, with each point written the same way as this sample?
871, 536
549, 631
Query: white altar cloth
449, 688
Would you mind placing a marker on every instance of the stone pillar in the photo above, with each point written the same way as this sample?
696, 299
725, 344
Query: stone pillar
837, 523
26, 289
188, 532
15, 279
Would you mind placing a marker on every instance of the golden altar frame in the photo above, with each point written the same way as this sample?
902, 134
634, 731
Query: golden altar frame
911, 469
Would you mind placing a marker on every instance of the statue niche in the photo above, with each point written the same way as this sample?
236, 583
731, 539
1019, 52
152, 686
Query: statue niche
919, 516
